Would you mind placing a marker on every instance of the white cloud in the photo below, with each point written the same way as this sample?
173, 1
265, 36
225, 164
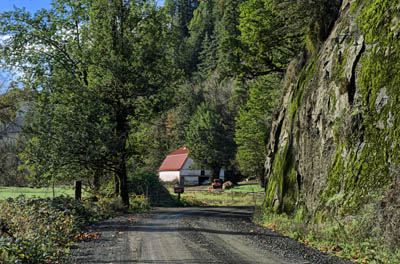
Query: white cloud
5, 37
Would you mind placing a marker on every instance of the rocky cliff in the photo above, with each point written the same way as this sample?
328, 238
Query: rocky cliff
334, 143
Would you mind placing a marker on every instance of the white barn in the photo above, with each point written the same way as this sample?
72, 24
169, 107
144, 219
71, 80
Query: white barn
179, 166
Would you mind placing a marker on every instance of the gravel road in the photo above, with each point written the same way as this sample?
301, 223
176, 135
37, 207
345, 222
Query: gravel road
192, 235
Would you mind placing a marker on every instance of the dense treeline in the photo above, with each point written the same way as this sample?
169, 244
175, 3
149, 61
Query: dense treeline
115, 85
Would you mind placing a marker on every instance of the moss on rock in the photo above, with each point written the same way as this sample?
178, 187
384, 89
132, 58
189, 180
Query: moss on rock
366, 134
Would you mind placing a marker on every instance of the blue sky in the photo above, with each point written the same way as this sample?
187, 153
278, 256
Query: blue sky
31, 5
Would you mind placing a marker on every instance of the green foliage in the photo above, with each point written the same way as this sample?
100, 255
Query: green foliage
151, 143
314, 19
207, 139
40, 230
208, 56
110, 206
11, 104
9, 162
101, 65
181, 13
142, 182
228, 39
252, 129
139, 203
188, 97
201, 26
11, 101
265, 49
146, 186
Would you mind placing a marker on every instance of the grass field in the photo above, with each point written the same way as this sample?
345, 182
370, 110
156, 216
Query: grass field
12, 192
225, 198
246, 188
241, 195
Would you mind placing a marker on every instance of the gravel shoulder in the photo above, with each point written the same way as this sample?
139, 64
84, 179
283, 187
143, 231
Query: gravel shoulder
192, 235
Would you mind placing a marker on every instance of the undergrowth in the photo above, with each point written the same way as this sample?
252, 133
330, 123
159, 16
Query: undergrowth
371, 236
42, 230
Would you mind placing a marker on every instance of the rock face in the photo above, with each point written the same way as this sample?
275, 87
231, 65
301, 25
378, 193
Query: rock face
335, 141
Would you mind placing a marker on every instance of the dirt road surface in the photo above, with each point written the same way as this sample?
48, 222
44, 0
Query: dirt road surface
192, 235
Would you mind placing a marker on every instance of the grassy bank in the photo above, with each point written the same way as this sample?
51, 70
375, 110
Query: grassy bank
356, 238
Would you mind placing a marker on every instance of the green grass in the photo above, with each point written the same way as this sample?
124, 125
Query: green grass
246, 188
245, 194
224, 198
243, 187
12, 192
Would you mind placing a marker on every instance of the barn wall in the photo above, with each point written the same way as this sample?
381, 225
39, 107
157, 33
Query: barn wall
169, 175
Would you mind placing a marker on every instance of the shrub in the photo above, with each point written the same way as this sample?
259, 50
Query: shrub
149, 185
143, 182
40, 230
110, 206
139, 203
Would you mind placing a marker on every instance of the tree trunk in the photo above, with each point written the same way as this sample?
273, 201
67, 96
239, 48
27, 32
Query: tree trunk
122, 130
261, 177
117, 182
215, 172
96, 181
78, 190
123, 179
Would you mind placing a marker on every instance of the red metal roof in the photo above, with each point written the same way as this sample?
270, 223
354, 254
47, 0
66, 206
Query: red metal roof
175, 160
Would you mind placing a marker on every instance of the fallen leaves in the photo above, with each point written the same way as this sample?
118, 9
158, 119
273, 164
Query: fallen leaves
87, 236
336, 248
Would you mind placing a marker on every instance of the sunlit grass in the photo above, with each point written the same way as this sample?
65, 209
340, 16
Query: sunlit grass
217, 198
242, 187
246, 188
12, 192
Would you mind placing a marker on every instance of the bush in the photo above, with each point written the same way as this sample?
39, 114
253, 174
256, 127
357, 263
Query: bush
40, 230
110, 206
149, 185
143, 183
139, 203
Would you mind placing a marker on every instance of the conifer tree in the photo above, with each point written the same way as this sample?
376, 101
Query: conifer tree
252, 124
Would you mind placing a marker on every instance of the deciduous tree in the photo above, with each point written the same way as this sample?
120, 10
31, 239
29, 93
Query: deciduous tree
97, 65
